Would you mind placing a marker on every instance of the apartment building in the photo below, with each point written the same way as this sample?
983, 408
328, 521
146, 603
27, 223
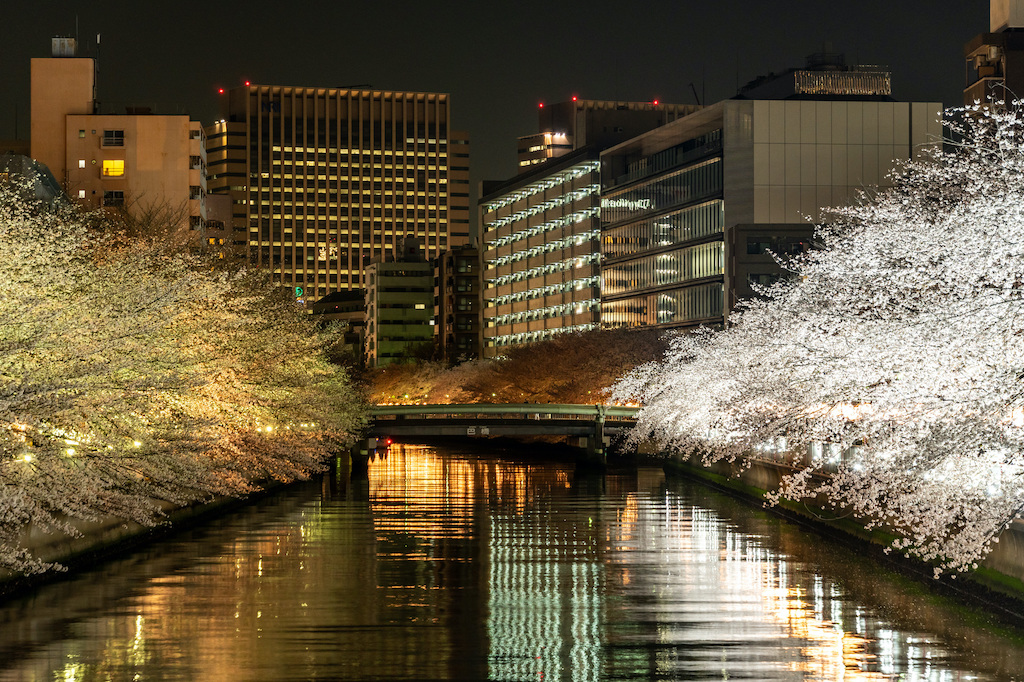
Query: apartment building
138, 161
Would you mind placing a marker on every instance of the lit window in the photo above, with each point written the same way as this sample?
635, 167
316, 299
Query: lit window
420, 306
113, 168
81, 194
81, 133
81, 163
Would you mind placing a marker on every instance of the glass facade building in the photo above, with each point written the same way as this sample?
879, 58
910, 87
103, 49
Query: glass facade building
694, 214
663, 220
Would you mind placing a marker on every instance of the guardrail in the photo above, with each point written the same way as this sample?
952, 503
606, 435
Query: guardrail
512, 410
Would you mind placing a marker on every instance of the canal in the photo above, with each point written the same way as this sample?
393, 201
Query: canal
451, 564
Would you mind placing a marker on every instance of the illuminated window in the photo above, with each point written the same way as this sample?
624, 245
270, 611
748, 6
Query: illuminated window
113, 168
81, 194
81, 163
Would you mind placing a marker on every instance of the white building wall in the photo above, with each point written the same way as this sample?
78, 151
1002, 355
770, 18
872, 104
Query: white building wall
811, 154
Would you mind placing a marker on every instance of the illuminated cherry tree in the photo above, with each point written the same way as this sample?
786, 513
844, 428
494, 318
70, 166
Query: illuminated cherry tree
133, 375
892, 361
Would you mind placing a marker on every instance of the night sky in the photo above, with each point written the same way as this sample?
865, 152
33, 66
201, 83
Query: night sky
497, 59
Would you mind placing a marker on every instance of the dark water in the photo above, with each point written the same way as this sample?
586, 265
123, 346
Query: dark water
456, 565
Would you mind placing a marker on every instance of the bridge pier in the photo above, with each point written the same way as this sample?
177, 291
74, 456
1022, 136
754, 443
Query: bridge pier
360, 456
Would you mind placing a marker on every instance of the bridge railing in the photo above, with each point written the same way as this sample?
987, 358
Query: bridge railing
506, 411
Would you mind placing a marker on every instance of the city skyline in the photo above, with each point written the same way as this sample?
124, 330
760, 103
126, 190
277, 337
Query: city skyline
498, 61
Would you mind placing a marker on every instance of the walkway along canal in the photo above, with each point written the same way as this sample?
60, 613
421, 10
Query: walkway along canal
452, 563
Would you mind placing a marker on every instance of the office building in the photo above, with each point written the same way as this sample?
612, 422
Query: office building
399, 306
540, 230
542, 252
691, 210
994, 67
151, 166
324, 180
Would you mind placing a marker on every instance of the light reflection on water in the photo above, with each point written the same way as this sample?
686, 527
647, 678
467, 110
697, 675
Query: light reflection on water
452, 565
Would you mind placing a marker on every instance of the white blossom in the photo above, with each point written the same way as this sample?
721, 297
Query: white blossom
895, 350
133, 374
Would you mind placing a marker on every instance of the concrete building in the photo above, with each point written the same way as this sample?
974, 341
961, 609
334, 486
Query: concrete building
994, 61
690, 210
399, 306
145, 163
324, 180
459, 304
542, 252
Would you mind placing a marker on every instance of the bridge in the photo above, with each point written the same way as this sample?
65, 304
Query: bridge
594, 425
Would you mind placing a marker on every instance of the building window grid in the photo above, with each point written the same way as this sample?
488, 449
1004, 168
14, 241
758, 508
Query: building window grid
674, 267
677, 227
431, 161
685, 306
527, 192
548, 247
506, 340
527, 231
547, 290
559, 310
679, 187
549, 268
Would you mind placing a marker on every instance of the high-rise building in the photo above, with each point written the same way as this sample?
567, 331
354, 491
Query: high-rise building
145, 163
324, 181
691, 212
995, 60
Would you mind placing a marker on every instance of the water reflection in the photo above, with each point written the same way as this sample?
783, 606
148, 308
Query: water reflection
451, 565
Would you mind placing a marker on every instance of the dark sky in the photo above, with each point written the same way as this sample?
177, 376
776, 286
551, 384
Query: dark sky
497, 59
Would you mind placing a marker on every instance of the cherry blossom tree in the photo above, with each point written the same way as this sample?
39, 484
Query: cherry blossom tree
133, 375
890, 366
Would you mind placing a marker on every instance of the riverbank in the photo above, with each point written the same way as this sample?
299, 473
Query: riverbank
101, 540
998, 583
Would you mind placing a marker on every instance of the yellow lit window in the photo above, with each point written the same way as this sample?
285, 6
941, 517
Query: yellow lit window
113, 168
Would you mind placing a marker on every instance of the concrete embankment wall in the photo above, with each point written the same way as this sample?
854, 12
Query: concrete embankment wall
1001, 572
100, 539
